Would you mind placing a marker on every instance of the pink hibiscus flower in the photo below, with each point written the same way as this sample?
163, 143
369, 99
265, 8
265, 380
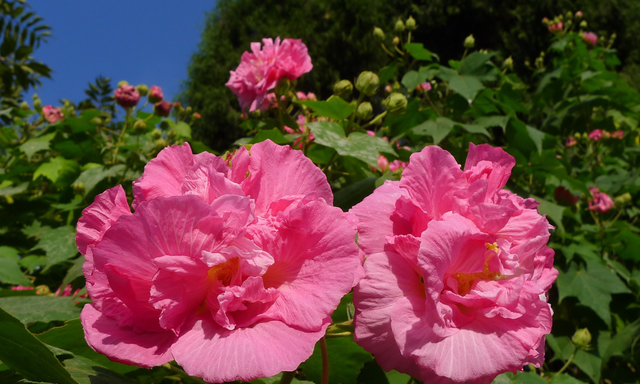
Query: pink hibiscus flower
457, 270
601, 202
260, 70
52, 114
230, 267
590, 38
596, 134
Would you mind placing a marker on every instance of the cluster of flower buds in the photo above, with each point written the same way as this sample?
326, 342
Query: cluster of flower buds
598, 134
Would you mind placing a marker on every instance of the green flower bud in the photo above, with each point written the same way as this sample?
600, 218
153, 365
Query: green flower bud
122, 83
582, 338
569, 15
140, 126
43, 290
17, 120
399, 27
160, 143
396, 103
143, 90
37, 103
560, 17
171, 134
568, 23
283, 86
585, 135
96, 121
367, 83
508, 64
25, 106
364, 111
164, 124
378, 34
469, 42
156, 134
396, 40
583, 24
410, 24
79, 188
624, 199
343, 89
577, 135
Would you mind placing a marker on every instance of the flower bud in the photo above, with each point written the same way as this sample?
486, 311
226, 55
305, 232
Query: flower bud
156, 134
195, 116
164, 124
508, 64
127, 96
378, 34
410, 24
364, 111
396, 103
582, 338
43, 290
79, 188
171, 134
469, 42
622, 200
162, 108
343, 89
122, 83
383, 163
545, 21
283, 86
311, 96
96, 121
143, 90
396, 40
25, 106
140, 126
399, 27
155, 94
367, 83
569, 15
160, 143
37, 103
583, 24
579, 15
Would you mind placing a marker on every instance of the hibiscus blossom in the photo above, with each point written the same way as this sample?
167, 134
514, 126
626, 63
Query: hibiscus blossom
230, 267
457, 270
260, 70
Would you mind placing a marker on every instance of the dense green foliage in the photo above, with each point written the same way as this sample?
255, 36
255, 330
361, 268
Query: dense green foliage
338, 35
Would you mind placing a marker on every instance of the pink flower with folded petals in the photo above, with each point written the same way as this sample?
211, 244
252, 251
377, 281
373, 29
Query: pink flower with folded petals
231, 267
155, 94
127, 96
596, 134
301, 96
556, 28
396, 165
570, 142
457, 270
52, 114
260, 70
383, 163
590, 38
618, 135
601, 202
311, 96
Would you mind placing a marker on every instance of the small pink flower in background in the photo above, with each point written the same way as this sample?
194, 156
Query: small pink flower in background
301, 96
371, 133
618, 135
545, 20
564, 196
383, 163
260, 70
232, 268
601, 202
52, 114
311, 96
590, 37
457, 270
596, 134
570, 142
162, 108
555, 28
579, 14
388, 89
155, 94
425, 87
606, 134
21, 288
127, 96
396, 165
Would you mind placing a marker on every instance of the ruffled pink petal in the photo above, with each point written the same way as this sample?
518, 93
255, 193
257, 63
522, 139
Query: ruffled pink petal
389, 278
207, 350
432, 178
207, 183
493, 163
276, 171
374, 216
124, 345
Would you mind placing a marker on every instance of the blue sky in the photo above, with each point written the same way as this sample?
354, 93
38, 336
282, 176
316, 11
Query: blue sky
140, 41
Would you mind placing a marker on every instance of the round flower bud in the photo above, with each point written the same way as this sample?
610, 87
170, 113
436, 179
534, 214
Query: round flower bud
79, 188
37, 103
378, 34
171, 134
96, 121
410, 24
195, 116
283, 86
396, 40
545, 21
622, 200
569, 15
122, 83
579, 15
155, 94
164, 124
508, 64
25, 106
162, 108
160, 143
399, 27
396, 103
43, 290
364, 111
583, 24
127, 96
368, 83
469, 42
582, 338
343, 89
156, 134
140, 126
143, 90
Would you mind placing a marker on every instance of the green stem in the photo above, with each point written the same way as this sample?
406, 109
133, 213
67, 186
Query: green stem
353, 115
567, 364
432, 105
287, 377
376, 120
325, 361
124, 129
386, 50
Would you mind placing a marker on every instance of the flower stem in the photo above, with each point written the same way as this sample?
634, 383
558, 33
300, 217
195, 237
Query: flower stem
325, 361
287, 377
567, 364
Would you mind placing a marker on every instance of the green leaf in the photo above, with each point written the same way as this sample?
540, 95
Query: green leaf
92, 176
24, 353
31, 146
492, 121
74, 272
562, 347
8, 190
630, 249
387, 73
59, 244
622, 341
335, 108
183, 130
589, 364
552, 210
70, 337
271, 134
351, 195
520, 378
10, 272
371, 373
396, 377
475, 64
276, 379
87, 371
593, 287
438, 129
33, 262
418, 51
346, 359
40, 308
55, 168
563, 378
537, 136
466, 86
412, 79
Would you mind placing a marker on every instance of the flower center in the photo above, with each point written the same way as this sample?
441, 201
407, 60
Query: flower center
224, 272
466, 280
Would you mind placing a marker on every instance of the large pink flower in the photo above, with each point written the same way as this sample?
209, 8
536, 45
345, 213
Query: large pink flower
232, 268
260, 70
457, 270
